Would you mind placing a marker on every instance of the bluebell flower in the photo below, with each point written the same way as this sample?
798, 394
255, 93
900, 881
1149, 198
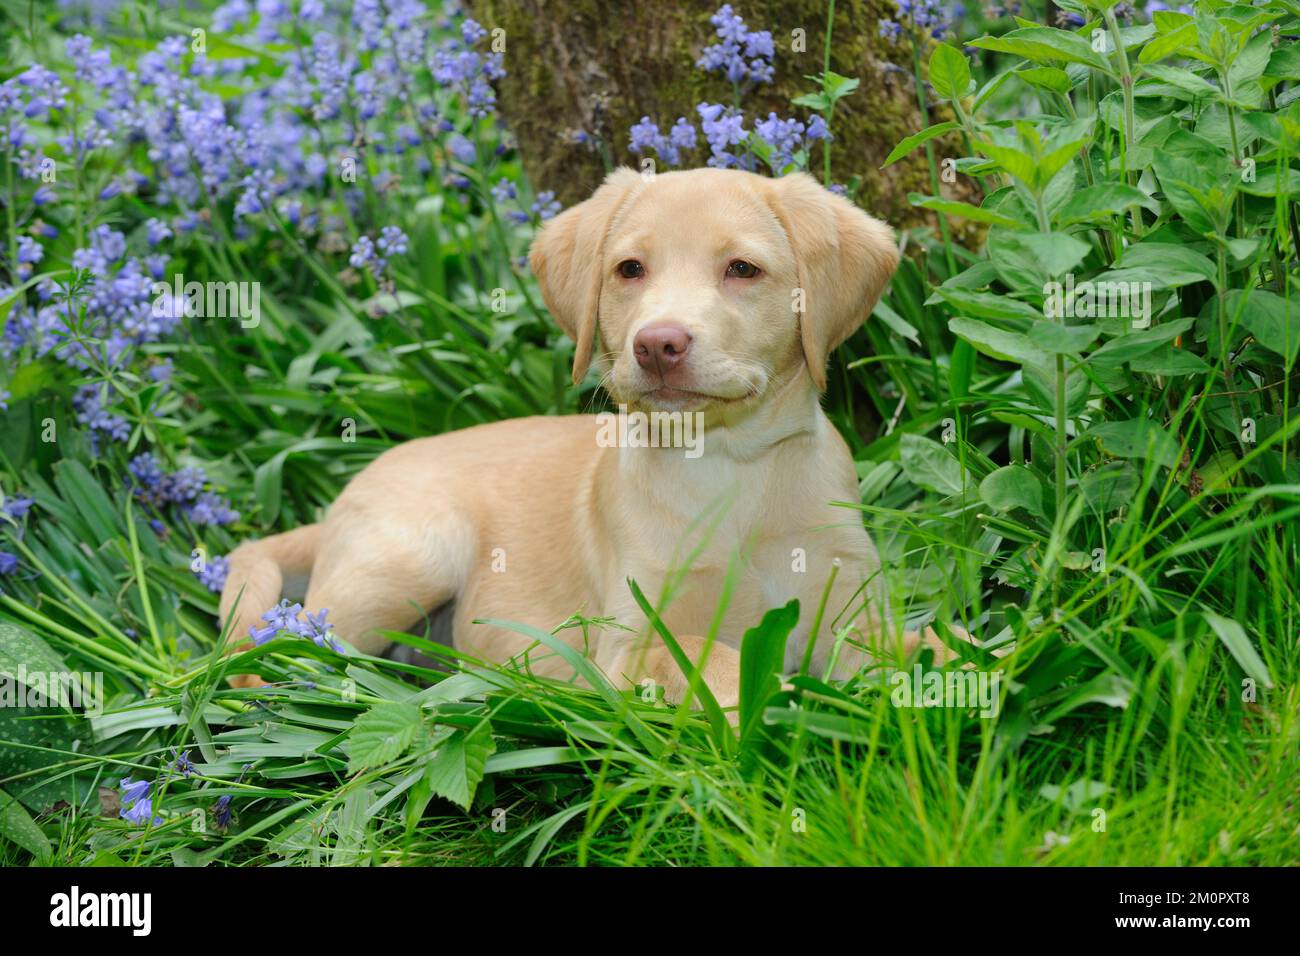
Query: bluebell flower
221, 811
8, 562
184, 485
212, 509
645, 135
504, 191
162, 371
364, 257
181, 763
723, 128
784, 136
137, 804
920, 19
546, 206
88, 404
214, 572
16, 507
282, 617
156, 231
742, 55
392, 241
461, 149
133, 790
318, 629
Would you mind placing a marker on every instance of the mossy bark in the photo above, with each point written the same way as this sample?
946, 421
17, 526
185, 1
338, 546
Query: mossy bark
599, 66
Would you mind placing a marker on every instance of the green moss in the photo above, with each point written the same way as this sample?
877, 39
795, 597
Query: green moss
600, 66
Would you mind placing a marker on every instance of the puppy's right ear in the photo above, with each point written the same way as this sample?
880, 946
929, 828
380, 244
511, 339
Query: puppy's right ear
567, 259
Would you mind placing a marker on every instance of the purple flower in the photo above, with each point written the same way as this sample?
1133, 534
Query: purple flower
504, 191
546, 206
137, 804
682, 135
212, 509
144, 468
29, 250
8, 562
920, 19
184, 485
221, 811
156, 231
364, 257
723, 128
742, 55
784, 136
282, 617
133, 790
392, 241
181, 763
645, 136
214, 572
471, 32
318, 630
16, 508
90, 412
461, 149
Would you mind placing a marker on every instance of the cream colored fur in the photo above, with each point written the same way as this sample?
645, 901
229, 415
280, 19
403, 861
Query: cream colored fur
531, 520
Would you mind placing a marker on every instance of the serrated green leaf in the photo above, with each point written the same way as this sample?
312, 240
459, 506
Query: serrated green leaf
382, 734
456, 770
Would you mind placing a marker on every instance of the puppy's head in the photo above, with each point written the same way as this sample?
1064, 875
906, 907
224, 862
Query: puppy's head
706, 287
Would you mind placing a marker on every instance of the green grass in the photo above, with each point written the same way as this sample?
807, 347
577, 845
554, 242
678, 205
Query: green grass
1141, 576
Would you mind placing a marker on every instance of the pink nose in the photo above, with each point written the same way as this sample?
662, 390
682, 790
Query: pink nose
661, 347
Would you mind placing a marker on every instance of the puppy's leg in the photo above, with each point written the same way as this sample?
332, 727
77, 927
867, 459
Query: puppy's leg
634, 661
375, 573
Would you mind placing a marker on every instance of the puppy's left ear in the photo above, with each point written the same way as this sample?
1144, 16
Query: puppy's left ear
843, 258
567, 259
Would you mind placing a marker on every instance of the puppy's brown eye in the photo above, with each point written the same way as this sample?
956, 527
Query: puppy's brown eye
740, 269
631, 269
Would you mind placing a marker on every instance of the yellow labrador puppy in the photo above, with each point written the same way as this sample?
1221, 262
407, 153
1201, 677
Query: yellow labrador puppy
715, 294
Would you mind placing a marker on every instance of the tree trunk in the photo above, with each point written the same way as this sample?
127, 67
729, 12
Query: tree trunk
599, 66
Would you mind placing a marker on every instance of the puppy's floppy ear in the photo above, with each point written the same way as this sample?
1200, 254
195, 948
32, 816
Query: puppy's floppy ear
843, 258
567, 258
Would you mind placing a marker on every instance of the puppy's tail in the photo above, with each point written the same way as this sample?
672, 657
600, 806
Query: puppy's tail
256, 575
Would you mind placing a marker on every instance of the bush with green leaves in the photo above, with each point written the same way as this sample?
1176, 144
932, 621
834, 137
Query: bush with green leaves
1137, 290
